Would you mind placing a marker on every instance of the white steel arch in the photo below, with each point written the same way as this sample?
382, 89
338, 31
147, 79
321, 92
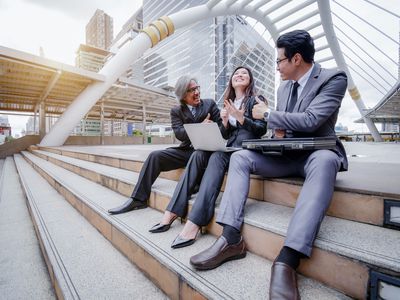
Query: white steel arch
165, 26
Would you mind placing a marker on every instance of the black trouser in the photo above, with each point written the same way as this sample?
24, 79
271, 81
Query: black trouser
157, 162
208, 168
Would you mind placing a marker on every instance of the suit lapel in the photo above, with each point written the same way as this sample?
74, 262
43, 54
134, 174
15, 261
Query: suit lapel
186, 112
284, 95
309, 86
199, 111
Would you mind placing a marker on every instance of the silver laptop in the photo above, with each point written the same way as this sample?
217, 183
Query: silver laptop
208, 137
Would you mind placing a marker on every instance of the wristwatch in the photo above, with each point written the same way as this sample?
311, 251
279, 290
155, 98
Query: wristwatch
266, 116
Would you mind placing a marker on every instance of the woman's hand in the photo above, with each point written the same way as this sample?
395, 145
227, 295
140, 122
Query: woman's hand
224, 116
238, 114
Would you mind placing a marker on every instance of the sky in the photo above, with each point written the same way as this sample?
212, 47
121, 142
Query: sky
58, 26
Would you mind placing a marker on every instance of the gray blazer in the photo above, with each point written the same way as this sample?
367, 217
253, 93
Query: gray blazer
316, 110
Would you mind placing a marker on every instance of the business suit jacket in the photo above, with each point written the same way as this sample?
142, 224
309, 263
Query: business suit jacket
251, 128
316, 109
182, 115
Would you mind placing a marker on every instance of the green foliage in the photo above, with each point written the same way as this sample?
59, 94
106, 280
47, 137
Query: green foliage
9, 138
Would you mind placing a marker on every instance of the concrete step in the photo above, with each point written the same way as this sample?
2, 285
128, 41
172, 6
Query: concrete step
23, 273
82, 263
351, 204
348, 249
168, 268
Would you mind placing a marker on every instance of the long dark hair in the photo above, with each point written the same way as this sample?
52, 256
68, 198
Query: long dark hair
250, 90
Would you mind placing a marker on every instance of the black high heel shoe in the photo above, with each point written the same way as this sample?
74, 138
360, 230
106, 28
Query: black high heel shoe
162, 227
181, 242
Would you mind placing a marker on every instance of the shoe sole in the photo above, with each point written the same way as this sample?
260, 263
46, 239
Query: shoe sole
239, 256
122, 212
183, 245
159, 230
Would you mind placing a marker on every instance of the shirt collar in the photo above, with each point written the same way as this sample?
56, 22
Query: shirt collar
303, 79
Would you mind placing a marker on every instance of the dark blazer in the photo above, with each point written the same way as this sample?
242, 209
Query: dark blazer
251, 128
316, 110
181, 114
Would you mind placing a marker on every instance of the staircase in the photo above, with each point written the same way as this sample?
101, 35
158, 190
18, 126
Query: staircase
84, 263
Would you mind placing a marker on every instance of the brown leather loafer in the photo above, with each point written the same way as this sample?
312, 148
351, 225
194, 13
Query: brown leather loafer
283, 285
219, 253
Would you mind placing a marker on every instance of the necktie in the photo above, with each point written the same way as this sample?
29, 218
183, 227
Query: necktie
193, 111
293, 98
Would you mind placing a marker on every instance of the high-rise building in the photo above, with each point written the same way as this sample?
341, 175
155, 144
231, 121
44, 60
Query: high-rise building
30, 126
208, 50
129, 31
90, 58
99, 30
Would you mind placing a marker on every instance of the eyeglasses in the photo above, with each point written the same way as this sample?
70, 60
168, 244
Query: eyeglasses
193, 89
278, 61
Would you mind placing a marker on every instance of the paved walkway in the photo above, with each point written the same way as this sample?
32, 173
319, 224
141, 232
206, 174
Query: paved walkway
373, 167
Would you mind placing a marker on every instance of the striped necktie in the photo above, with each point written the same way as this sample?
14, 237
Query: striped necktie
193, 110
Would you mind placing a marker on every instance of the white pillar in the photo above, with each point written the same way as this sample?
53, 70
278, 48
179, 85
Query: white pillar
102, 123
144, 122
42, 120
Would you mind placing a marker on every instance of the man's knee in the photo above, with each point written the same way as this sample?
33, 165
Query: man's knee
240, 159
325, 159
155, 155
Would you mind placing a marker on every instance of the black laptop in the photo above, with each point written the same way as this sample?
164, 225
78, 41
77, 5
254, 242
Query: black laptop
279, 146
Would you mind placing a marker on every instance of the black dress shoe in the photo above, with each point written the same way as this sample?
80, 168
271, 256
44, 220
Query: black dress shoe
283, 284
181, 242
162, 227
131, 204
219, 253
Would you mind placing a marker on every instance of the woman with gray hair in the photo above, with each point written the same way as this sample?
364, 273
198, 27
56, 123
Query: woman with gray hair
191, 109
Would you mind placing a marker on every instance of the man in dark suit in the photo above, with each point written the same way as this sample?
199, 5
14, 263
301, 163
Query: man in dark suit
192, 109
308, 104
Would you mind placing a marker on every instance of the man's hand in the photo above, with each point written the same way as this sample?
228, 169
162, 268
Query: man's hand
238, 114
259, 109
279, 133
207, 119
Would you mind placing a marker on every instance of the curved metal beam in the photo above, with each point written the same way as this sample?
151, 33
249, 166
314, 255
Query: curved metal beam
164, 27
327, 24
131, 51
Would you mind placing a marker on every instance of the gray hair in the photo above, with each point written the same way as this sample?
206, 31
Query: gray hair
181, 87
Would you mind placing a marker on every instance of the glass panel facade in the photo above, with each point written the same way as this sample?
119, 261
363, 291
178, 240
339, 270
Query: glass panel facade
209, 50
